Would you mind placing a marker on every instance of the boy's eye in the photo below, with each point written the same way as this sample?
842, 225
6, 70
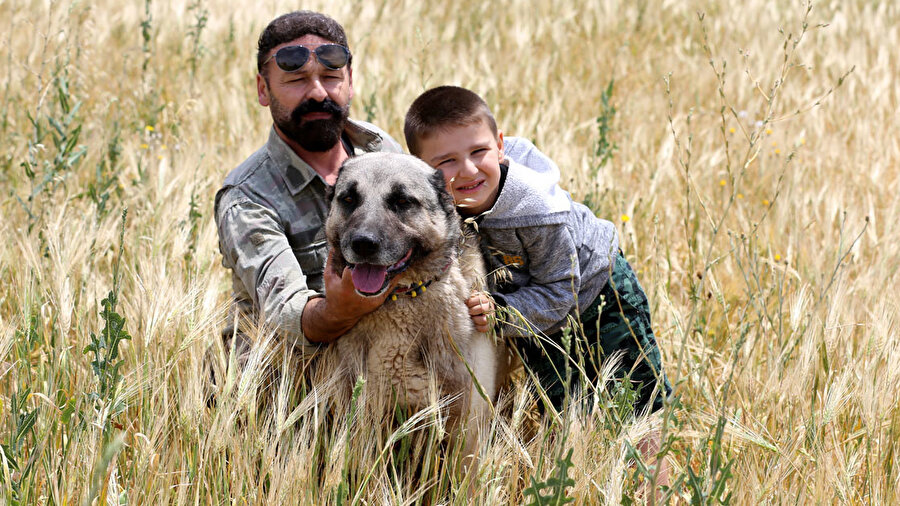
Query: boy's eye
444, 162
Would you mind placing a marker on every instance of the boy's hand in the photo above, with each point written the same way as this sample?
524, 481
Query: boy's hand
480, 307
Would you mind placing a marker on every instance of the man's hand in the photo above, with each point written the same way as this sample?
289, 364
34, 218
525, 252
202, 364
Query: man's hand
327, 318
480, 307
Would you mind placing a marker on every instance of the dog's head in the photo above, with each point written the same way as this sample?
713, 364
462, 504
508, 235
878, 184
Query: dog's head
390, 216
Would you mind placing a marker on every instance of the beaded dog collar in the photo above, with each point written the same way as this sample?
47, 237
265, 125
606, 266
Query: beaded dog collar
412, 290
416, 289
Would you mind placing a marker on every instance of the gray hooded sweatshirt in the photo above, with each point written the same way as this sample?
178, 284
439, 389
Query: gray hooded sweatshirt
550, 247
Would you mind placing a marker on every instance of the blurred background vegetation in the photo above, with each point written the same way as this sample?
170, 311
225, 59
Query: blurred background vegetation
746, 151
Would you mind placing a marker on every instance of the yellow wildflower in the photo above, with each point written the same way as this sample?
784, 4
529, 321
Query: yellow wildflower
731, 130
768, 131
625, 218
149, 128
144, 146
722, 182
777, 257
765, 202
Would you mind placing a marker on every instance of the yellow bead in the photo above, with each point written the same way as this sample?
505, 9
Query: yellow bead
423, 289
393, 297
413, 294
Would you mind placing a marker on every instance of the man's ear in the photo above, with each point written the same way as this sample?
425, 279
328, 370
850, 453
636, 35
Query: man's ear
262, 90
350, 81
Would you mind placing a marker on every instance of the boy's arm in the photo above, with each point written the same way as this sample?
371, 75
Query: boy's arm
555, 277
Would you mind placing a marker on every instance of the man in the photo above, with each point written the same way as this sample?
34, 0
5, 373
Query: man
271, 210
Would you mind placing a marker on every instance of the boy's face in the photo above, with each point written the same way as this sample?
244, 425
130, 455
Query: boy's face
469, 157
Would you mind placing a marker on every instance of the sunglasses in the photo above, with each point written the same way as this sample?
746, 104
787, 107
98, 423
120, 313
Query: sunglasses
293, 58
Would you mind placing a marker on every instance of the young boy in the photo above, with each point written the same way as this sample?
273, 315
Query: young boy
551, 248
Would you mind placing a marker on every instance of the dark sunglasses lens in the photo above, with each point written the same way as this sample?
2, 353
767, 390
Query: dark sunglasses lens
291, 58
333, 56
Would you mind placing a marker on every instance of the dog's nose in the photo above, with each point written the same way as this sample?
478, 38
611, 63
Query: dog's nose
364, 245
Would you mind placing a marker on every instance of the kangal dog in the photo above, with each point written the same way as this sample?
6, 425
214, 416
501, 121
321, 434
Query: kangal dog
391, 217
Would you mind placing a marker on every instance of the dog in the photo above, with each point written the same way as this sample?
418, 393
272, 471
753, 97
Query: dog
392, 219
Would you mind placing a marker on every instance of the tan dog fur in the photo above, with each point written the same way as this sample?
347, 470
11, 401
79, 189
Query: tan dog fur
412, 349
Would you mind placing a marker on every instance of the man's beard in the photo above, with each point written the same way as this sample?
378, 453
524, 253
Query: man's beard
316, 135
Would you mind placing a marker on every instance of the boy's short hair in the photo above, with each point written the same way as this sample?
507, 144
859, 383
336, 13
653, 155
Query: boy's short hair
292, 26
441, 108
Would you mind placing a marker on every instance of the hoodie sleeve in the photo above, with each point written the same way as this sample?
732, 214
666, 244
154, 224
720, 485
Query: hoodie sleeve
555, 276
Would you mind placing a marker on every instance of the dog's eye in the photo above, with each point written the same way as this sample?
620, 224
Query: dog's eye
402, 203
348, 200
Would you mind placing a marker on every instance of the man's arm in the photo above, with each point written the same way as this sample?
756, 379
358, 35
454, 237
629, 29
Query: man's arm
257, 250
327, 318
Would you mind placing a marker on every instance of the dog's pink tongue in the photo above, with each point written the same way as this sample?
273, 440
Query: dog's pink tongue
368, 278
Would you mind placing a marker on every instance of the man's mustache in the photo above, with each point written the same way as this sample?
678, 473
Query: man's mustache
327, 106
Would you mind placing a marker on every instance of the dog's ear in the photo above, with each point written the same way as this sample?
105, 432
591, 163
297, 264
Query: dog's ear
329, 189
440, 187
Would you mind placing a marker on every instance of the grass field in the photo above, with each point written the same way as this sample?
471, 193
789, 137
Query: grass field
747, 151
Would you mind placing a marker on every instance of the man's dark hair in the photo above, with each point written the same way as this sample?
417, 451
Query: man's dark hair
443, 107
292, 26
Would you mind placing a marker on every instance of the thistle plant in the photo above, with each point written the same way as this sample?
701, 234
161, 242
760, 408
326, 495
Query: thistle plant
106, 364
195, 32
48, 166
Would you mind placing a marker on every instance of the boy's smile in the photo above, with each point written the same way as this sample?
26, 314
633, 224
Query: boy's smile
469, 157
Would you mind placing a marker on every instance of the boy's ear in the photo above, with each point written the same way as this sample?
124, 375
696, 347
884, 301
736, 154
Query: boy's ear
500, 145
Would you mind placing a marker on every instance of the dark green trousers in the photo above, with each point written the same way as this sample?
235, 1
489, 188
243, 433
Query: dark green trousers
617, 321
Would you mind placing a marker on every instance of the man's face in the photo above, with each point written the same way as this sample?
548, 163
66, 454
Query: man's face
309, 106
469, 157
